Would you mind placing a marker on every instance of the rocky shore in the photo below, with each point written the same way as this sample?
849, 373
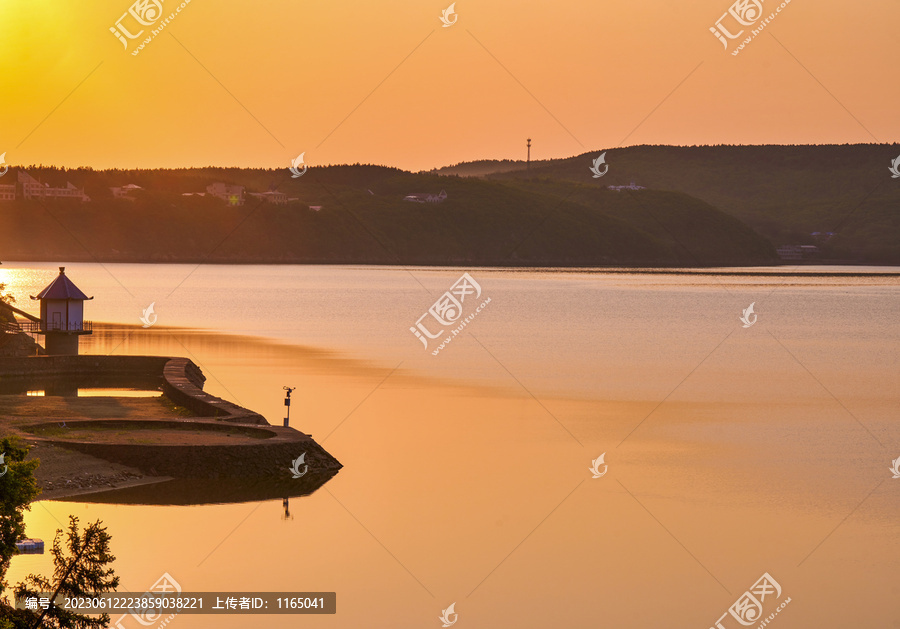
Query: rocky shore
64, 473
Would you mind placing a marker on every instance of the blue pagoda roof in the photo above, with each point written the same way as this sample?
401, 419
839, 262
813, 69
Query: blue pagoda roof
62, 288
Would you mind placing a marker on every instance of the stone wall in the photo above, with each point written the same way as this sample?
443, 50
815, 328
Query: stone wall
81, 365
182, 380
18, 344
269, 457
183, 384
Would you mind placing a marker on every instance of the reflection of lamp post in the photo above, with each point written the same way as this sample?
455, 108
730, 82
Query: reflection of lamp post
287, 403
287, 514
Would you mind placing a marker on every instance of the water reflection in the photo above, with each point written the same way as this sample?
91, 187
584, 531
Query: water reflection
186, 491
83, 385
453, 463
67, 390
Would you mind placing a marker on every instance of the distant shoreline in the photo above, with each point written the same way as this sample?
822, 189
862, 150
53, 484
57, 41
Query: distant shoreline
786, 270
660, 207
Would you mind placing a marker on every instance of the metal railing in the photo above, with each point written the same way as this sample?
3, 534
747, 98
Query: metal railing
42, 327
9, 327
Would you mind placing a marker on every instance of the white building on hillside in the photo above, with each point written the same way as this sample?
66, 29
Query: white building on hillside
797, 252
426, 197
34, 189
272, 196
232, 194
125, 191
631, 186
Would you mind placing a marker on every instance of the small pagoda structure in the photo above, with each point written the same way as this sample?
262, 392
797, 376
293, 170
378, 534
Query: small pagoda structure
62, 316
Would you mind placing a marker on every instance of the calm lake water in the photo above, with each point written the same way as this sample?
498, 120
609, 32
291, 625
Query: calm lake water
732, 451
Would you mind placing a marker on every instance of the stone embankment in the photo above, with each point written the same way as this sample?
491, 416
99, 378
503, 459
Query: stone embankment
182, 381
18, 344
191, 447
256, 452
183, 384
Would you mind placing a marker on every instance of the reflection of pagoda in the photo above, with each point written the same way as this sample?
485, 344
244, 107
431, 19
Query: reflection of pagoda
62, 316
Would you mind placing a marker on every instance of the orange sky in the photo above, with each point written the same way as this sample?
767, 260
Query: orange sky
257, 83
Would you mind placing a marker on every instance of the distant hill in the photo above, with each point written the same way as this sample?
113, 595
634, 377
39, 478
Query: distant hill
785, 193
484, 167
364, 220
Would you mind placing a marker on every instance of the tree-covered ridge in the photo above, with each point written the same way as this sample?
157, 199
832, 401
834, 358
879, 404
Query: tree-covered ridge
365, 219
785, 193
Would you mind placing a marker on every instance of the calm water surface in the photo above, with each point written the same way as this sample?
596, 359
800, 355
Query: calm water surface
732, 451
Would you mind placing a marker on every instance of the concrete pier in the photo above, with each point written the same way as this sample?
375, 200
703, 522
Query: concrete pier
259, 449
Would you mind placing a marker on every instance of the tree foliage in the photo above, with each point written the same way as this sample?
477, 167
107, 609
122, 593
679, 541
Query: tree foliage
81, 569
81, 559
18, 488
6, 298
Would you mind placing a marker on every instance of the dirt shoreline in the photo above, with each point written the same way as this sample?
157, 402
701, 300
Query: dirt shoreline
65, 473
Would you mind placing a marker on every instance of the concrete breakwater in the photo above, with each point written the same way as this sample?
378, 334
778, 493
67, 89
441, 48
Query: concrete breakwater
36, 366
183, 384
262, 452
181, 380
223, 440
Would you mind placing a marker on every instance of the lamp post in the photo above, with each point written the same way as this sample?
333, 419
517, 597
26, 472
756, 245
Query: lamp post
528, 162
287, 403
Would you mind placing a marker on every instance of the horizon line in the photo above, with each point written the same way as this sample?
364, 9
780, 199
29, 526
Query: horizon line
471, 161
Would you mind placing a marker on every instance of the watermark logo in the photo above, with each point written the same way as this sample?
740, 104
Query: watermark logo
138, 18
448, 310
895, 469
447, 14
163, 585
149, 317
895, 167
749, 608
600, 161
4, 167
295, 466
740, 16
743, 12
446, 613
143, 12
748, 313
595, 466
6, 467
295, 166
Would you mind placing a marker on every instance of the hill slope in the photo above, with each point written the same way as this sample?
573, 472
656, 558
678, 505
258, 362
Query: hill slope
784, 192
365, 220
